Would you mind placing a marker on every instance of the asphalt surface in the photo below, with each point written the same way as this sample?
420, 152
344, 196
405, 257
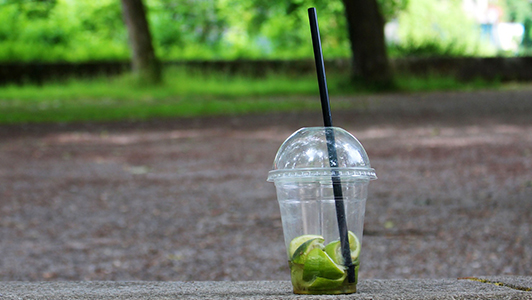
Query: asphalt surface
503, 287
188, 199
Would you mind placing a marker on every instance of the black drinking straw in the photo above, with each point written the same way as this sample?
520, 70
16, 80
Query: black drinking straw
331, 145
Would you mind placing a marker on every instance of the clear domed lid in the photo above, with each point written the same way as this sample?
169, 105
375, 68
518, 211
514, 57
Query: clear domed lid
304, 155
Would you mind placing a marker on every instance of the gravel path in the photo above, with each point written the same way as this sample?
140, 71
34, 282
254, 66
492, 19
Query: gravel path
188, 199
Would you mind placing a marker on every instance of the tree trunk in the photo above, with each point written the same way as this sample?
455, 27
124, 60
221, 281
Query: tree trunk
144, 61
366, 32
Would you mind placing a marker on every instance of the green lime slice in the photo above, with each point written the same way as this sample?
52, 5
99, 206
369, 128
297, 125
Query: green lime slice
319, 264
300, 254
296, 242
325, 284
354, 245
334, 249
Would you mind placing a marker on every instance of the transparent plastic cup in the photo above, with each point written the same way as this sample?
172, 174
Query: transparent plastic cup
303, 179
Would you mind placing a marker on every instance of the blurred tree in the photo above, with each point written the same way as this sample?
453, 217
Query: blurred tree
365, 20
527, 38
390, 8
520, 11
285, 26
81, 30
187, 26
35, 8
365, 24
144, 62
517, 10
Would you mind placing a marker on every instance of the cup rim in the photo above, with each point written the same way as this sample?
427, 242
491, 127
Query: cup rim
306, 174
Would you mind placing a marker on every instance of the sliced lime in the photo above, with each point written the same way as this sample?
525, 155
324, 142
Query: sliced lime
354, 245
334, 249
299, 256
319, 264
296, 242
325, 284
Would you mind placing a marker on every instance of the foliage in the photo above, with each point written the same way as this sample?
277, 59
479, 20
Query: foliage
391, 8
51, 30
77, 30
520, 11
80, 30
285, 26
187, 28
517, 10
437, 28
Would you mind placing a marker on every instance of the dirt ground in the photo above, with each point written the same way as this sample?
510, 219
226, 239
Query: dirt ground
188, 199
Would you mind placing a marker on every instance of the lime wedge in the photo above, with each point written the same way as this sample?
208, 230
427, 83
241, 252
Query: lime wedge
334, 249
324, 284
299, 256
319, 264
296, 242
354, 245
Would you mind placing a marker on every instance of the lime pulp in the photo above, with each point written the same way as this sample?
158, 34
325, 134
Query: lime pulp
319, 269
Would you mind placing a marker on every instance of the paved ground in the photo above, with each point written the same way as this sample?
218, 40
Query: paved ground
502, 287
188, 199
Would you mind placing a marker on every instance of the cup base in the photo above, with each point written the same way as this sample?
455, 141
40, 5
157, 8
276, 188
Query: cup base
320, 286
347, 290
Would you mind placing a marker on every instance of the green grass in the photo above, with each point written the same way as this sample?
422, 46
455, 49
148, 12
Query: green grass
185, 94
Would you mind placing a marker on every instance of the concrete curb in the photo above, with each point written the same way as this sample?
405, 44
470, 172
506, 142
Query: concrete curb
493, 287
